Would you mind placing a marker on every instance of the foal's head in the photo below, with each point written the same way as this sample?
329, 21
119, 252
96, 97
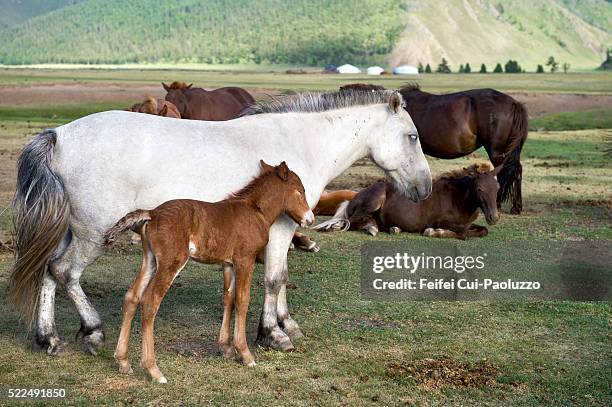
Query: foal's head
176, 95
486, 187
293, 195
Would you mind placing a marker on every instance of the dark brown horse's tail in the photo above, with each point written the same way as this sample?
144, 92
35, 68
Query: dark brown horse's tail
133, 220
42, 214
512, 172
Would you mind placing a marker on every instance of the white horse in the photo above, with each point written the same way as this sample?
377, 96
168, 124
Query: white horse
75, 181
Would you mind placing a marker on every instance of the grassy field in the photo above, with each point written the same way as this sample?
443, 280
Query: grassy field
355, 352
588, 83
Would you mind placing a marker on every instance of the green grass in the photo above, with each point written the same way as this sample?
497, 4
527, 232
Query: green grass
355, 352
592, 119
587, 83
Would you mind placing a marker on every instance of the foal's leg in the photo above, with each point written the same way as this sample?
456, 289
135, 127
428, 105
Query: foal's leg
244, 275
269, 333
477, 231
67, 269
166, 272
229, 293
133, 297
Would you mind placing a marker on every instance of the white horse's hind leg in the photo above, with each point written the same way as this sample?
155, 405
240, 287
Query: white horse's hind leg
46, 337
67, 269
269, 334
285, 321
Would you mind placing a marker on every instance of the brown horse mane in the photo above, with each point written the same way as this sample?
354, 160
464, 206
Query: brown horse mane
178, 85
318, 102
471, 171
410, 86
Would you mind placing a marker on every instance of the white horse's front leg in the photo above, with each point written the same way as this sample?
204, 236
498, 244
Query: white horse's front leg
269, 334
285, 321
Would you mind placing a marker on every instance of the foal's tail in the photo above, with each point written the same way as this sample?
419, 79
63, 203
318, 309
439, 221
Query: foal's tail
337, 223
512, 172
41, 221
133, 220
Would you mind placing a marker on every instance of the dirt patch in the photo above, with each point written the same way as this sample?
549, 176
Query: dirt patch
196, 348
539, 104
89, 93
440, 373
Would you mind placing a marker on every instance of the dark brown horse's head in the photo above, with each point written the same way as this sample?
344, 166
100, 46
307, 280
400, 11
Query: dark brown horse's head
486, 187
176, 95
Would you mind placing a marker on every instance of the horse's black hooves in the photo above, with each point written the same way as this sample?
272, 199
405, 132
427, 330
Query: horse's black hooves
93, 338
51, 344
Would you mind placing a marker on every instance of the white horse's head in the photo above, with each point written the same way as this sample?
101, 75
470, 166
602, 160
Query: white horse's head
396, 149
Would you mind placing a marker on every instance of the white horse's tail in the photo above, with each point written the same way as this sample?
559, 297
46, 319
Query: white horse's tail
42, 215
133, 220
337, 223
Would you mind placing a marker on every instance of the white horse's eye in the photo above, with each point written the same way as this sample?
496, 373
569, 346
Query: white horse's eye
414, 136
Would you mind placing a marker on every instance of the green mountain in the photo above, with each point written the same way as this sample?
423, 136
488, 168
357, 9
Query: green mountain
15, 12
313, 32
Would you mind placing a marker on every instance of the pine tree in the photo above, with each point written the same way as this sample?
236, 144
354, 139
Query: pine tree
483, 68
554, 65
498, 68
468, 68
427, 69
420, 67
540, 69
461, 69
443, 67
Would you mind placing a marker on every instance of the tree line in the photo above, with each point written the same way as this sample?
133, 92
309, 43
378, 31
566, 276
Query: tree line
511, 66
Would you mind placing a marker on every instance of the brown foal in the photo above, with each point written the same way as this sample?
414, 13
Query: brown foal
209, 233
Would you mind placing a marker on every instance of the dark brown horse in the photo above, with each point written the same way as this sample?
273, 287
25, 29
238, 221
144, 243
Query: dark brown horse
200, 104
157, 107
456, 124
229, 232
455, 201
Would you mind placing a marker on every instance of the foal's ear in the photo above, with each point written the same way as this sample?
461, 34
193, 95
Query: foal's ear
496, 170
283, 171
163, 111
265, 166
189, 86
166, 87
396, 102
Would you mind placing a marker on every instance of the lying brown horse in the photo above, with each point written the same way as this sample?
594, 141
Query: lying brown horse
200, 104
455, 201
456, 124
331, 201
231, 232
157, 107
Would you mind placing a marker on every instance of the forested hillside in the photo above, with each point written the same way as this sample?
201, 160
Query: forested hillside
209, 31
300, 32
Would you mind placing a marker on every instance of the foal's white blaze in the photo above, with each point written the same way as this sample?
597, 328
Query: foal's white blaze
192, 248
308, 219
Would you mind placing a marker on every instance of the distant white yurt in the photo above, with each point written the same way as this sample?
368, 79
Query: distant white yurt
406, 70
375, 70
347, 68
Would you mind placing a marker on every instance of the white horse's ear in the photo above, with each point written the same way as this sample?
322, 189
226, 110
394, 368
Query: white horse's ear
396, 102
166, 87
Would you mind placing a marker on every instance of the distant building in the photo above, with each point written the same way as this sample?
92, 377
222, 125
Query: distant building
375, 70
330, 68
347, 68
406, 70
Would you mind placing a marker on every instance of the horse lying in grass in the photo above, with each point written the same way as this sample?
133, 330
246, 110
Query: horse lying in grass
214, 105
456, 124
157, 107
453, 206
331, 200
231, 232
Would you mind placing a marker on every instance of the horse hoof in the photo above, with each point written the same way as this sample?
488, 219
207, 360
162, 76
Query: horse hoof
394, 230
291, 246
251, 364
125, 368
160, 380
228, 351
516, 211
93, 339
274, 339
291, 328
371, 230
53, 345
314, 247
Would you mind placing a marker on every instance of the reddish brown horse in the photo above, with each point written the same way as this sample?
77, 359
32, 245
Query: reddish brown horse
331, 201
200, 104
230, 232
157, 107
456, 124
456, 199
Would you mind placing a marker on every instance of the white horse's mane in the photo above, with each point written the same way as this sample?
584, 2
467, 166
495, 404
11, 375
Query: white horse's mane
308, 102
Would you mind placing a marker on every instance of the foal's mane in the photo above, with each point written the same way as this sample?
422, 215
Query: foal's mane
178, 85
318, 102
471, 171
246, 191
